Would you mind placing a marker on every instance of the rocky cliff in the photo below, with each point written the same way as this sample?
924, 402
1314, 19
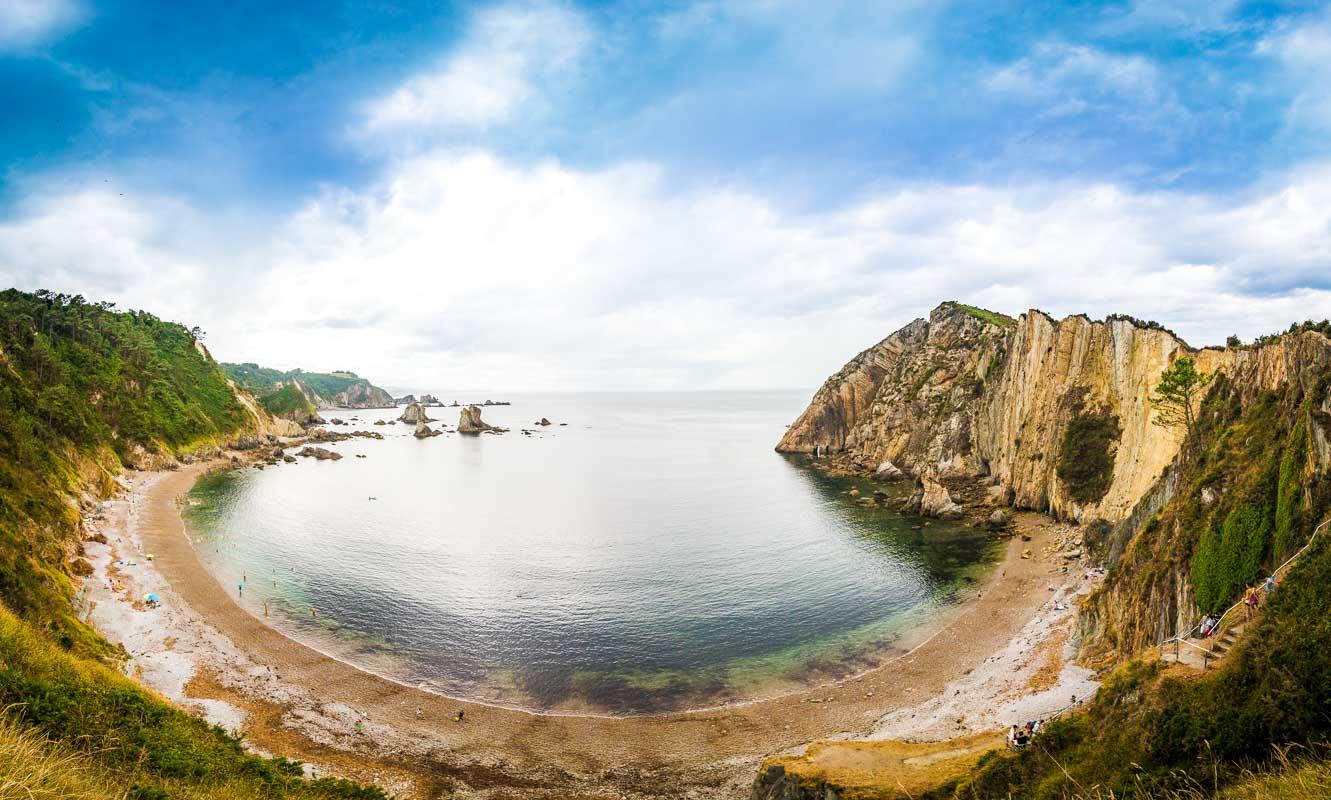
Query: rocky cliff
297, 392
972, 394
1055, 416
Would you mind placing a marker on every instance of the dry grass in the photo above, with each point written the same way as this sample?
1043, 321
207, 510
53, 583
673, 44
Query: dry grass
881, 769
1291, 776
34, 768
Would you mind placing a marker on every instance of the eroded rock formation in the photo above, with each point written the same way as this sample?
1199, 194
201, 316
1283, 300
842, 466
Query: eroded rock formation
414, 414
469, 421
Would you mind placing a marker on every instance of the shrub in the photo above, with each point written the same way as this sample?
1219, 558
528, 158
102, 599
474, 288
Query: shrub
1087, 453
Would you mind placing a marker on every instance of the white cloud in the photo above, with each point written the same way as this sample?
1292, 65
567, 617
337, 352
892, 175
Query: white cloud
25, 23
1305, 53
460, 270
507, 53
1193, 16
1072, 78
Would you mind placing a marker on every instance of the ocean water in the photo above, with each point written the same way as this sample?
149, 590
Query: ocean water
653, 554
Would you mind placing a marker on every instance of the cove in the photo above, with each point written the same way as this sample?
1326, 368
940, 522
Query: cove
652, 555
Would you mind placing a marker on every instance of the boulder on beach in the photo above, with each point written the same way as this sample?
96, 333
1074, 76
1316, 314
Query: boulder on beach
469, 421
415, 413
935, 501
998, 521
544, 421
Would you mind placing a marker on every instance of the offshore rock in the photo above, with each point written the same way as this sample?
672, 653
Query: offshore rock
414, 414
469, 421
424, 431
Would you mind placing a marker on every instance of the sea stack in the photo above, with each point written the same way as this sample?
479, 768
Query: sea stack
469, 421
414, 414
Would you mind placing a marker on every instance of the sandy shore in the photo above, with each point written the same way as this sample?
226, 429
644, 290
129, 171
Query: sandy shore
1000, 654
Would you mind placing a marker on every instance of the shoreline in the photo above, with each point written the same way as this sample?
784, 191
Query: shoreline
215, 646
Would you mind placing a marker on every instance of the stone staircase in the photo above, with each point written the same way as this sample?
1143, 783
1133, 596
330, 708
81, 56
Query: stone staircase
1204, 653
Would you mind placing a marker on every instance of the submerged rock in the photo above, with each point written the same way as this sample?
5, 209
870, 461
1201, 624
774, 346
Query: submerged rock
319, 453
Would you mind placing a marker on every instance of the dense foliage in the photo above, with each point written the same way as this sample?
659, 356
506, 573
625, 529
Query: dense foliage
83, 390
275, 390
1087, 453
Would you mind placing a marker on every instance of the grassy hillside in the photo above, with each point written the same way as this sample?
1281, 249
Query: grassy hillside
1251, 494
84, 389
274, 387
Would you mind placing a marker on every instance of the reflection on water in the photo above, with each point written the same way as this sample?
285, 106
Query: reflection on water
653, 554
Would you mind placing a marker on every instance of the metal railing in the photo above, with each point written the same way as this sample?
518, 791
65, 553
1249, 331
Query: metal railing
1215, 632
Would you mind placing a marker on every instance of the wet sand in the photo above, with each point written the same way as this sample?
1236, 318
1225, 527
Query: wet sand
495, 751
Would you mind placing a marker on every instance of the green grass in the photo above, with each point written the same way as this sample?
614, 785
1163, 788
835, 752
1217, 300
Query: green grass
984, 314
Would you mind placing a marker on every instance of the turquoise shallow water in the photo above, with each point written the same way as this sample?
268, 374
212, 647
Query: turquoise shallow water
652, 555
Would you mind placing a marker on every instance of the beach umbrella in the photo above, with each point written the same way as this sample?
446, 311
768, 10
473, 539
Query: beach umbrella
151, 598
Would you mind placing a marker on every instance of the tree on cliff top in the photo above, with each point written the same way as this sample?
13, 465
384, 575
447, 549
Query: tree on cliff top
1176, 394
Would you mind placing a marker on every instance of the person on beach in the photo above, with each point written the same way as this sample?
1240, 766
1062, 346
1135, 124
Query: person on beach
462, 713
240, 589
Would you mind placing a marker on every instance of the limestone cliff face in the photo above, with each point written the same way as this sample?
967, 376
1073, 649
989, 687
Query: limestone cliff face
973, 394
1057, 370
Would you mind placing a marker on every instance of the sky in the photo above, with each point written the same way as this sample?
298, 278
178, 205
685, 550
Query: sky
560, 195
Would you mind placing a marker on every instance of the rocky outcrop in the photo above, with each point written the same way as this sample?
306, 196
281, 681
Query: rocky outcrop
935, 500
469, 421
424, 431
887, 471
362, 394
973, 394
404, 400
319, 453
414, 414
